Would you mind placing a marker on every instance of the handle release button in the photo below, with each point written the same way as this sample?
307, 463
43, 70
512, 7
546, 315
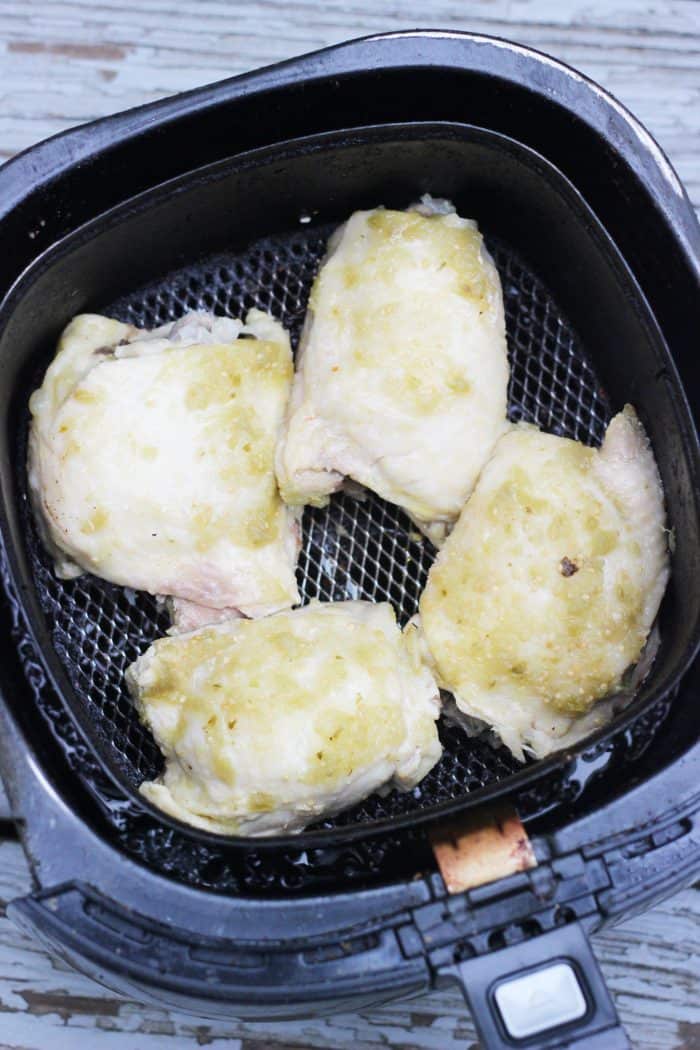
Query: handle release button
543, 999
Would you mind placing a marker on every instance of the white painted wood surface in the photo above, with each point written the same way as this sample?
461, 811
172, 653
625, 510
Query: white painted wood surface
67, 61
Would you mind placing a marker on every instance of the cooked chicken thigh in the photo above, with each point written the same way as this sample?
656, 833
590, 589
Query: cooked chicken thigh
267, 725
151, 460
402, 369
546, 591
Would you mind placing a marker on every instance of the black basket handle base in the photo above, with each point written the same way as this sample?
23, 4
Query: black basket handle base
545, 991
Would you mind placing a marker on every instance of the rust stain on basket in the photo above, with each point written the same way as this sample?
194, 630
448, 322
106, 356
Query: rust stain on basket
481, 848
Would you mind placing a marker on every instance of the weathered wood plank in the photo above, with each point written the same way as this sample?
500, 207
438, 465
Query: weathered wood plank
651, 962
66, 61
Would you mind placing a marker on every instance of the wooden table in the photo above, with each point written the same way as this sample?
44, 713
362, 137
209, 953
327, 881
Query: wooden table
66, 61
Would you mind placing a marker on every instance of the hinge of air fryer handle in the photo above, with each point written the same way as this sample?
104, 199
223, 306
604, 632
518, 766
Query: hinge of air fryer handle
523, 943
451, 928
493, 891
589, 885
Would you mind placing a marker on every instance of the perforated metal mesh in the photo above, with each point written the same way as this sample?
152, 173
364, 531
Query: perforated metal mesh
351, 549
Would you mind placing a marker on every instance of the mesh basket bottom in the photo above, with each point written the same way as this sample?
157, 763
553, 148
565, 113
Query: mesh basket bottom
351, 549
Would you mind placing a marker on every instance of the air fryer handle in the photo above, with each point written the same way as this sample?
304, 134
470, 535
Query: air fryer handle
541, 994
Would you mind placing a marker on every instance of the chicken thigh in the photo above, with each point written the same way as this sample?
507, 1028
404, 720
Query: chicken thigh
402, 369
268, 725
545, 592
151, 461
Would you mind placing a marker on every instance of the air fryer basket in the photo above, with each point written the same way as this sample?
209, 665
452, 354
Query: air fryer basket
364, 549
250, 229
90, 631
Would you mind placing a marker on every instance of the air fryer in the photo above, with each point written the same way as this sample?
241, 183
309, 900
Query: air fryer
223, 199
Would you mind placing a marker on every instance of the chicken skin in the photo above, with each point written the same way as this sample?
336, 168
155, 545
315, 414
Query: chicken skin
151, 461
268, 725
402, 368
546, 591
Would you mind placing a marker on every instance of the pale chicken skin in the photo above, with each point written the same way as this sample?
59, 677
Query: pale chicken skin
402, 368
268, 725
546, 591
151, 461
